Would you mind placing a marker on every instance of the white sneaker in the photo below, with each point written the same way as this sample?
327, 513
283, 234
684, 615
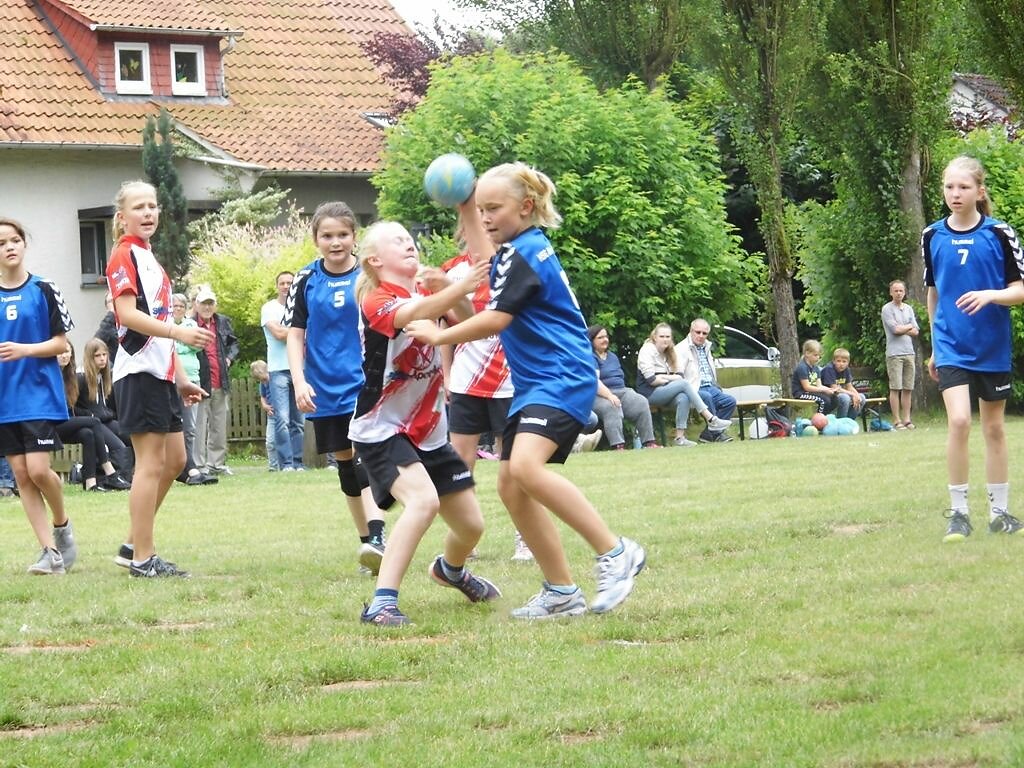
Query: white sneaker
587, 443
615, 575
522, 552
716, 424
64, 540
370, 557
548, 604
682, 442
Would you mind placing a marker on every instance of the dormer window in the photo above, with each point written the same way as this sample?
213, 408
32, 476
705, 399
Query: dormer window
131, 68
187, 68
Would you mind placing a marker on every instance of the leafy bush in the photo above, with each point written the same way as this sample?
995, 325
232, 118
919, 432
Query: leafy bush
240, 262
645, 237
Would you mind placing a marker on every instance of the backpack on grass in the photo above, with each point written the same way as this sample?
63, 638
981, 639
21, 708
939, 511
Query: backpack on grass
778, 424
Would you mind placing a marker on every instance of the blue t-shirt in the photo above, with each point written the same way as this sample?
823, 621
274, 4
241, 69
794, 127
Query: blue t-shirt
804, 371
546, 344
610, 372
324, 305
830, 376
987, 257
31, 389
265, 390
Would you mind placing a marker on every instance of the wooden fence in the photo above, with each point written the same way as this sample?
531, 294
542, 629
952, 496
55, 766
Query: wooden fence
246, 422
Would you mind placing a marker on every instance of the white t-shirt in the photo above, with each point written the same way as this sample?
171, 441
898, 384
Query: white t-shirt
277, 351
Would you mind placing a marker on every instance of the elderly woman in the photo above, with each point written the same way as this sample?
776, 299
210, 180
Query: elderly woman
658, 379
615, 400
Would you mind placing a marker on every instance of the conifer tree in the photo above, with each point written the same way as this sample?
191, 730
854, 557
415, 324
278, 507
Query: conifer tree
171, 241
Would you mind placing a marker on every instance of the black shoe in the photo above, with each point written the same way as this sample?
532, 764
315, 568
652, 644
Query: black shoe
209, 479
98, 488
155, 568
115, 482
194, 479
707, 436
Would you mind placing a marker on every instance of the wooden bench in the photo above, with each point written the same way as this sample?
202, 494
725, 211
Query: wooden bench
751, 407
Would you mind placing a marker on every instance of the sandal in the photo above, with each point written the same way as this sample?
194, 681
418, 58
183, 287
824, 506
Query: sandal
909, 425
900, 425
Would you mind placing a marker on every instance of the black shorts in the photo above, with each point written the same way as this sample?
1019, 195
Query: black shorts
984, 385
381, 461
331, 433
147, 404
557, 426
472, 415
35, 436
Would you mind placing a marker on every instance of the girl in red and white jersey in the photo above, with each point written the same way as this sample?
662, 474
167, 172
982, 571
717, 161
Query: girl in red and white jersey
399, 427
149, 380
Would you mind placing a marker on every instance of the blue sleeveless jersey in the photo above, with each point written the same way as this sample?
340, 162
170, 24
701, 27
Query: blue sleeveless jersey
987, 257
31, 388
546, 344
324, 304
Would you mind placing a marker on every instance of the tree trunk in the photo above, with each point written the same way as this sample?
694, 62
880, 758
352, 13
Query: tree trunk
912, 207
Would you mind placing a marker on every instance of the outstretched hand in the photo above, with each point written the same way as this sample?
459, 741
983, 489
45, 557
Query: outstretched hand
426, 331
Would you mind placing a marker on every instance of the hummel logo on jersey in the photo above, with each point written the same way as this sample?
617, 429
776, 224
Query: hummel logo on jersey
337, 283
534, 420
543, 255
1003, 387
5, 299
461, 476
44, 441
962, 241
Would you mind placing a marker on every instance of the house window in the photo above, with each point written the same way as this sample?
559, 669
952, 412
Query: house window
92, 237
189, 72
131, 68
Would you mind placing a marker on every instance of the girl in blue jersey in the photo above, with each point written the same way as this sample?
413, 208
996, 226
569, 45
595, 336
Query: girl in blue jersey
973, 267
325, 356
549, 355
33, 327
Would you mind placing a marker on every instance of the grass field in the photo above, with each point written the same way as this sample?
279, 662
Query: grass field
799, 609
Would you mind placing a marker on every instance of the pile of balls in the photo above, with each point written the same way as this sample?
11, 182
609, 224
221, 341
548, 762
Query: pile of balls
820, 424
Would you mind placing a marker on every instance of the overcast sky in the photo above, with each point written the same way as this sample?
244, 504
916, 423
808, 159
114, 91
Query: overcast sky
422, 12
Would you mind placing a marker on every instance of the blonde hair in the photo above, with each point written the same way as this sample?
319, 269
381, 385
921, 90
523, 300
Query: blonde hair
369, 245
840, 352
526, 183
258, 367
812, 345
976, 171
119, 200
93, 374
670, 353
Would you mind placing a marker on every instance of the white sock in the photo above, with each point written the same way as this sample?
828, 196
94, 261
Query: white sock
998, 498
958, 498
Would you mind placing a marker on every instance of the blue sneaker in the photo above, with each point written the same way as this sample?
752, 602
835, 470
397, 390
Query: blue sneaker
615, 575
476, 588
959, 527
388, 616
1003, 522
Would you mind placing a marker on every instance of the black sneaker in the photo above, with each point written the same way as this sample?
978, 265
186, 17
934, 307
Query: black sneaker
116, 482
155, 568
124, 556
388, 616
959, 527
1006, 523
476, 588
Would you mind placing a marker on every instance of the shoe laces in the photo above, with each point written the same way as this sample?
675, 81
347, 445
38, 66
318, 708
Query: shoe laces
609, 569
957, 518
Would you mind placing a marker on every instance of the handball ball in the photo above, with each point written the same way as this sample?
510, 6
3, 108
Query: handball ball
809, 431
820, 421
449, 179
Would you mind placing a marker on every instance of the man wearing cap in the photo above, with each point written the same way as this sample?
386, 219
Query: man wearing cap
211, 441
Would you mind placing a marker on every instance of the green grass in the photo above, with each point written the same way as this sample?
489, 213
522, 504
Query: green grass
799, 609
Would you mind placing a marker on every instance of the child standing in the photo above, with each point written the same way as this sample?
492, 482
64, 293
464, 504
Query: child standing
260, 372
146, 371
838, 378
807, 384
32, 334
549, 354
400, 429
973, 268
325, 356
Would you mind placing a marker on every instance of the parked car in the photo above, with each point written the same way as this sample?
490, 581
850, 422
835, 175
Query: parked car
748, 369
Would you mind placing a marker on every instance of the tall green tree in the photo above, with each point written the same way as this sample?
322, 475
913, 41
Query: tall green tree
171, 242
644, 237
762, 51
997, 28
881, 102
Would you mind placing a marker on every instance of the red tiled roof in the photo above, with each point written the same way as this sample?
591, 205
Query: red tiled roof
297, 82
146, 14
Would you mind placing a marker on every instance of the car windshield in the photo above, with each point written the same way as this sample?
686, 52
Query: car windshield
736, 345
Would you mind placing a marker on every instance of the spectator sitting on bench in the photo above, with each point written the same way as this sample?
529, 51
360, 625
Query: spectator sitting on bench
807, 383
838, 377
658, 380
697, 365
615, 400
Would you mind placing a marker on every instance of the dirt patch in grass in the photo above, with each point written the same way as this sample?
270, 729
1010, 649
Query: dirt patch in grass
183, 626
303, 741
44, 647
34, 731
984, 725
415, 639
855, 529
579, 737
362, 685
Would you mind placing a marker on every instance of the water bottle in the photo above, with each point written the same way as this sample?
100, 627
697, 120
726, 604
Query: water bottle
636, 442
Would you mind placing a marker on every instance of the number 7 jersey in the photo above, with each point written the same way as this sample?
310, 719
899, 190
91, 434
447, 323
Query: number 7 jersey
987, 257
